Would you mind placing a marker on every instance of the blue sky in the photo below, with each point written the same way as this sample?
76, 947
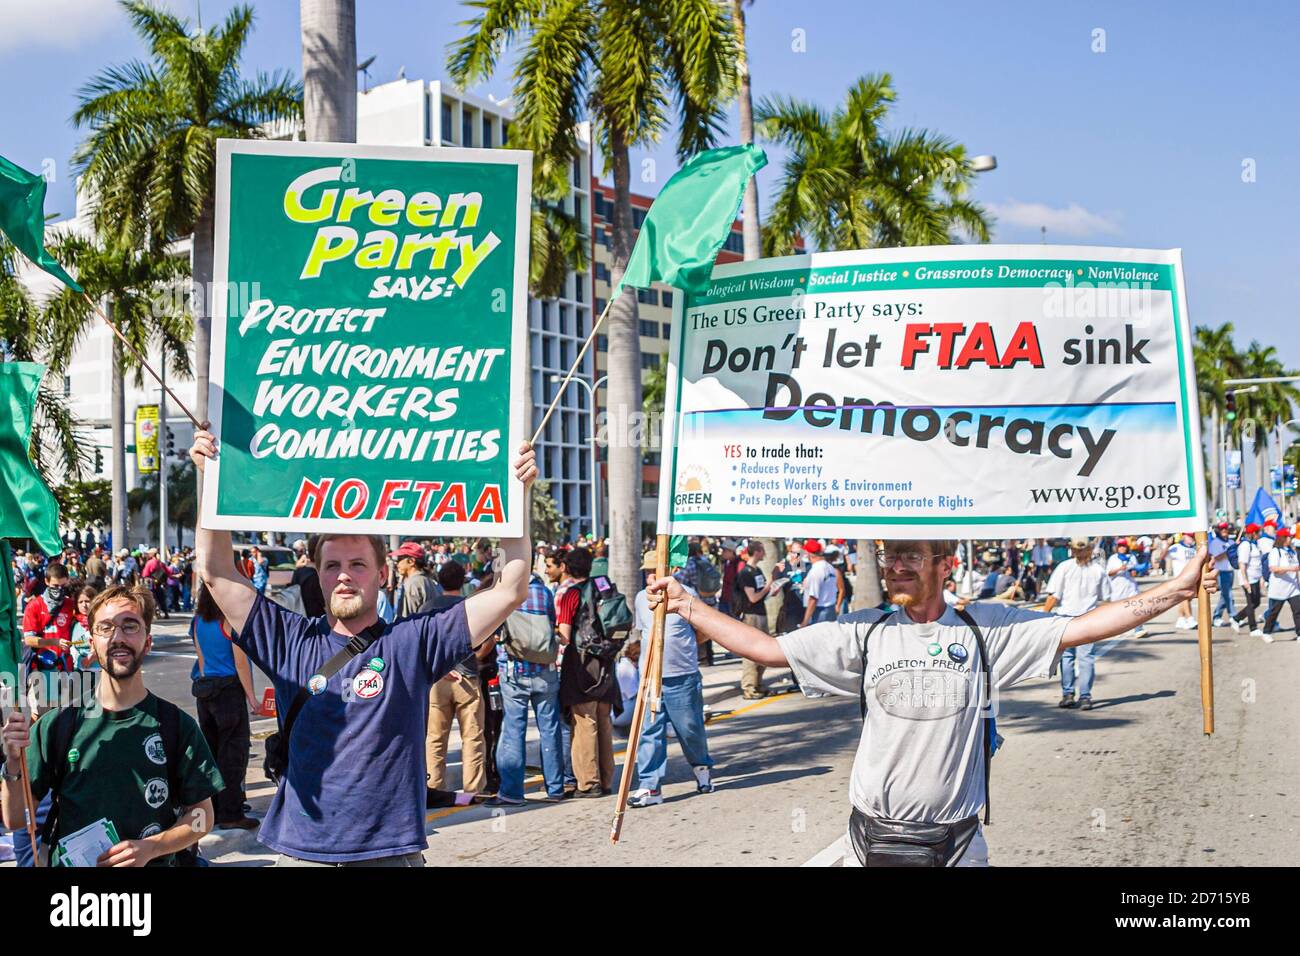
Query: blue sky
1140, 145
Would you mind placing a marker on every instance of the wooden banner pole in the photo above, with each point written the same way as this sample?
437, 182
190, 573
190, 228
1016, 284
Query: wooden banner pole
1203, 634
651, 669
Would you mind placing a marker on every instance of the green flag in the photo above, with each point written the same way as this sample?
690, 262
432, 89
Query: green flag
11, 644
690, 219
22, 217
27, 507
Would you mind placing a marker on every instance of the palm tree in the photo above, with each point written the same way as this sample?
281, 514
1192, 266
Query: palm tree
329, 69
624, 64
150, 155
143, 295
557, 247
28, 334
849, 184
1216, 360
1270, 406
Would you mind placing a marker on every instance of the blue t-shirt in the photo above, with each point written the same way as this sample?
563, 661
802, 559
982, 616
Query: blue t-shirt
355, 789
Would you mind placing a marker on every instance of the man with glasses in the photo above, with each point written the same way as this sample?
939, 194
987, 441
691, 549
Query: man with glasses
920, 775
132, 759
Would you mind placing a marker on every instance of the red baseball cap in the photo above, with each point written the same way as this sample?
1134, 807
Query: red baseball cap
409, 549
1252, 528
812, 546
1283, 533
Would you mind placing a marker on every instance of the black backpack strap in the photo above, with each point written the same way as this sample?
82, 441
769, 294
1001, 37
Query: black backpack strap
988, 688
66, 721
169, 729
356, 645
862, 687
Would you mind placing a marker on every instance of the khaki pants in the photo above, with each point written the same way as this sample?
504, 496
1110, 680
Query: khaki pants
462, 700
593, 745
751, 674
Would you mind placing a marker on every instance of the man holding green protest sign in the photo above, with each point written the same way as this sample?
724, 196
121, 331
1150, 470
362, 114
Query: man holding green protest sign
350, 753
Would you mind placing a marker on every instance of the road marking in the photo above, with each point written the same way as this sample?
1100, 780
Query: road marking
837, 854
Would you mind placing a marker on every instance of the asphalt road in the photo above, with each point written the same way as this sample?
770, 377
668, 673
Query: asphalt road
1133, 782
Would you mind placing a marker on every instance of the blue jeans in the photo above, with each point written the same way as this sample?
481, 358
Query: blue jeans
1086, 655
683, 704
542, 692
566, 752
823, 614
22, 843
1225, 595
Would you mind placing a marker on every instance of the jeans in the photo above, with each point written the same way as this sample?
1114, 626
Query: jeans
822, 614
223, 721
566, 752
23, 843
683, 704
541, 692
1225, 596
1086, 656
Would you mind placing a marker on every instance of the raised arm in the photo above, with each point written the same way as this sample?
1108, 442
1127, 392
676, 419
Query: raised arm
1116, 617
488, 609
712, 625
214, 561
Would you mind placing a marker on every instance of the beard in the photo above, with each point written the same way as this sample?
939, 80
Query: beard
345, 607
917, 593
120, 670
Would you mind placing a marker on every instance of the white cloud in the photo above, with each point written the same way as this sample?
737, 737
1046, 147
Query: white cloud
1073, 220
57, 24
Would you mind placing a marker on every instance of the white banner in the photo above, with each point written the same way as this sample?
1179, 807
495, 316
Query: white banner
936, 392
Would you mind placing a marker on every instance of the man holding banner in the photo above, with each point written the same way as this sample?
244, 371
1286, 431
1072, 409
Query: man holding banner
921, 771
352, 781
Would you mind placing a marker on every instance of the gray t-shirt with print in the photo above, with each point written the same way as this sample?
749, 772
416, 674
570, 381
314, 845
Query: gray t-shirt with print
920, 757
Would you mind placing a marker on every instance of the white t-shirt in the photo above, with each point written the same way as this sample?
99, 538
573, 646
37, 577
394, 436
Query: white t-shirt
1250, 560
1179, 555
920, 757
820, 583
1078, 587
1122, 585
1282, 586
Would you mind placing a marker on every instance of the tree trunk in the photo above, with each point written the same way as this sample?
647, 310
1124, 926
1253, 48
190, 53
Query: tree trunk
773, 552
329, 69
867, 591
750, 222
624, 386
117, 413
201, 304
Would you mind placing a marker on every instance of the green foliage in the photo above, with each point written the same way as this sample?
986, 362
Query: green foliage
557, 246
153, 126
848, 183
547, 522
84, 503
182, 498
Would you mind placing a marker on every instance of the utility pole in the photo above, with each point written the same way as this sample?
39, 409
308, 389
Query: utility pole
162, 458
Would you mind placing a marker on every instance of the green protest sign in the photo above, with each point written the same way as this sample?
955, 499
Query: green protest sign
369, 338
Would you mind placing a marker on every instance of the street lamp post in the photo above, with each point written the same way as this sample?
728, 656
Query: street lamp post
591, 418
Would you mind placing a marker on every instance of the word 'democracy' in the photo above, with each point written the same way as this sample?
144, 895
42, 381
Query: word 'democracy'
373, 382
950, 391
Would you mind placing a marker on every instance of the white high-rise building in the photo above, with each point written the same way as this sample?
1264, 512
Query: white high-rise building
404, 113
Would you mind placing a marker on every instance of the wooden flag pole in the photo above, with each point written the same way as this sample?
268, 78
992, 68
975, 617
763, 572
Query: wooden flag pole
651, 665
1203, 635
199, 426
573, 369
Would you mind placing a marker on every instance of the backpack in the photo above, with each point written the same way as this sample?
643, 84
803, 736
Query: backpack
708, 579
603, 619
1231, 553
66, 722
530, 637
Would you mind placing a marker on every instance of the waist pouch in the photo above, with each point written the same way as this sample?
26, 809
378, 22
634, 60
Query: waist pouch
879, 842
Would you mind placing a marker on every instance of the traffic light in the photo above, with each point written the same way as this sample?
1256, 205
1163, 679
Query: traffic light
99, 460
171, 443
1231, 407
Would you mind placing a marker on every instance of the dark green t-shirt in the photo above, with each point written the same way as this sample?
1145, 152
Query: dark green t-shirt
117, 769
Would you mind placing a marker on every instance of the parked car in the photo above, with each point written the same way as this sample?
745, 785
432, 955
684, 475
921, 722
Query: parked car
281, 562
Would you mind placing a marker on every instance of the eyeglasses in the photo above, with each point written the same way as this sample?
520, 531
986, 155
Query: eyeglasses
129, 628
912, 560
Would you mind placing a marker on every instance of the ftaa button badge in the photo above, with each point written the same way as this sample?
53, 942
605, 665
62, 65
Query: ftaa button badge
367, 684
